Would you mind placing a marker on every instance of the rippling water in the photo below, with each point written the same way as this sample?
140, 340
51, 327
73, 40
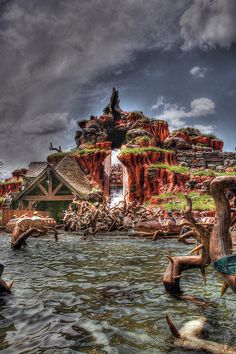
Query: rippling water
101, 297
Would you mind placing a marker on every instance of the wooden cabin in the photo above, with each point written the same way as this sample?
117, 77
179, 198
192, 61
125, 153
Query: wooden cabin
53, 187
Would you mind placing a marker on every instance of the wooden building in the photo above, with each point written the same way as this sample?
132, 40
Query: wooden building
53, 187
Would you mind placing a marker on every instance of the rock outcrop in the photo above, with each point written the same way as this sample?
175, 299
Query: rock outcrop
188, 138
136, 162
160, 180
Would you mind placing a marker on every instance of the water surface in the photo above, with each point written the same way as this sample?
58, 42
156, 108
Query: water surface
101, 297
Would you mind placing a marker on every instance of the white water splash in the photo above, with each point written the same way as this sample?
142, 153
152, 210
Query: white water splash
114, 159
116, 196
116, 193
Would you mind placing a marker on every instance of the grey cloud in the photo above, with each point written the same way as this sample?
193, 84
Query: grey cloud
209, 23
50, 50
178, 116
49, 123
198, 72
58, 56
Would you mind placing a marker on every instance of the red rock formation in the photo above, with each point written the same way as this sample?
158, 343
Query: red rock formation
131, 117
6, 187
217, 144
135, 164
12, 185
182, 135
92, 165
90, 160
161, 180
158, 128
203, 140
194, 137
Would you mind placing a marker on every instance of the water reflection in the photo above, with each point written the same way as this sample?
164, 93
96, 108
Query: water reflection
100, 297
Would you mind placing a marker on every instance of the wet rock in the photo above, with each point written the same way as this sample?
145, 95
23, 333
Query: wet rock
177, 143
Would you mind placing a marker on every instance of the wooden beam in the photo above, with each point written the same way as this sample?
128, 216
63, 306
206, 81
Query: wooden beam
33, 184
40, 198
45, 192
57, 188
50, 182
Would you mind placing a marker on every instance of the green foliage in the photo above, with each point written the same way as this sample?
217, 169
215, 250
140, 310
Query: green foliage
206, 172
172, 168
211, 136
178, 201
190, 131
136, 113
143, 138
141, 150
193, 132
212, 173
84, 151
226, 173
201, 144
77, 152
13, 180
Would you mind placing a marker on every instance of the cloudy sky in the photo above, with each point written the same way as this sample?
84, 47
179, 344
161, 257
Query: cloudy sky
173, 60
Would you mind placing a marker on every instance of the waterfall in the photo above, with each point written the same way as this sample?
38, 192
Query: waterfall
116, 179
116, 195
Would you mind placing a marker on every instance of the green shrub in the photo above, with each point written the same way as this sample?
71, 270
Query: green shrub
190, 131
141, 150
211, 136
206, 172
178, 202
172, 168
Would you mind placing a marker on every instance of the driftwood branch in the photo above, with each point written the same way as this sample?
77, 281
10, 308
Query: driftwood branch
21, 240
51, 147
213, 242
178, 264
5, 288
221, 240
34, 232
189, 337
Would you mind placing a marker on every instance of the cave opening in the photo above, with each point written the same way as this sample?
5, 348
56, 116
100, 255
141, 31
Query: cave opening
117, 137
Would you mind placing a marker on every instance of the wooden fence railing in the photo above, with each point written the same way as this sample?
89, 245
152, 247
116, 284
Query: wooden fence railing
7, 214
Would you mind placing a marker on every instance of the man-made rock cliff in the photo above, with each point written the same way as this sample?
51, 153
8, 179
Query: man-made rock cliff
90, 159
12, 184
135, 161
188, 138
163, 178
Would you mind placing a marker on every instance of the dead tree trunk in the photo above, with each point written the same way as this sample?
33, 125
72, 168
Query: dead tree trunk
213, 245
221, 241
23, 237
178, 264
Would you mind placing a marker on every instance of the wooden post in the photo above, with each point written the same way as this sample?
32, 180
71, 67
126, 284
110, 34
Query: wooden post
21, 207
50, 183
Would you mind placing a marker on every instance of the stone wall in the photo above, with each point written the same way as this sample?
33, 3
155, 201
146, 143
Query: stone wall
205, 158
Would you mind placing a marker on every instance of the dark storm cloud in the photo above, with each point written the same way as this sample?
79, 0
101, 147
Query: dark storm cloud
209, 23
59, 59
50, 123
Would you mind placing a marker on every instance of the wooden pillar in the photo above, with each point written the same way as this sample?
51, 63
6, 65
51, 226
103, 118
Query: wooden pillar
21, 207
30, 205
50, 182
